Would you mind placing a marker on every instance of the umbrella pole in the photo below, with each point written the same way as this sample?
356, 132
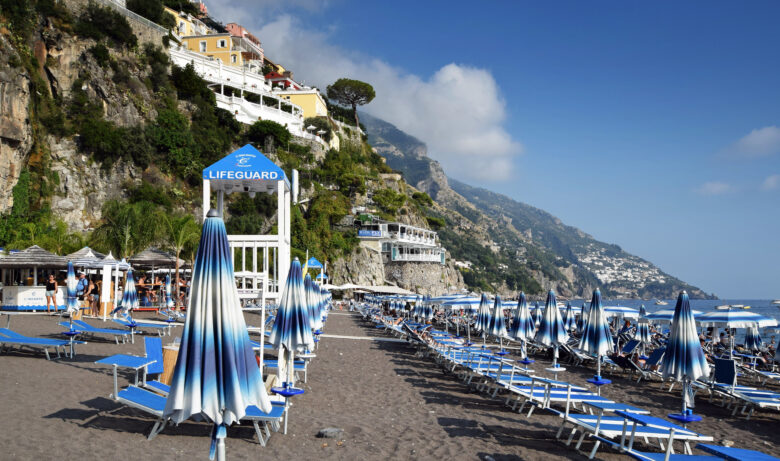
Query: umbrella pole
221, 449
262, 336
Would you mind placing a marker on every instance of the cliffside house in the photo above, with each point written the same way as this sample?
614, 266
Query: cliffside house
400, 242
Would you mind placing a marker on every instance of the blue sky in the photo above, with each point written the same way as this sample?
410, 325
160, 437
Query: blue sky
651, 125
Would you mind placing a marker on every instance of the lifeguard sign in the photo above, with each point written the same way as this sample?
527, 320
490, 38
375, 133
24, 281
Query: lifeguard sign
265, 259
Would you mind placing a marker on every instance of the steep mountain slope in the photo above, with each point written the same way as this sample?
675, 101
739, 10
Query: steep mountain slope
559, 256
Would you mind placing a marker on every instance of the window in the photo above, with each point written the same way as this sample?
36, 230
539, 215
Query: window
203, 46
222, 43
233, 58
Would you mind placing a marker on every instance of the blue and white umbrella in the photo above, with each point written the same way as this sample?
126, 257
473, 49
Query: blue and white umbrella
753, 340
642, 328
428, 309
312, 301
522, 325
735, 318
467, 305
596, 337
168, 293
551, 332
497, 326
291, 329
621, 311
684, 359
666, 315
129, 296
536, 315
581, 320
568, 317
216, 376
72, 301
483, 316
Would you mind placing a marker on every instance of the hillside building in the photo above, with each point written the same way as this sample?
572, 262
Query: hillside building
401, 242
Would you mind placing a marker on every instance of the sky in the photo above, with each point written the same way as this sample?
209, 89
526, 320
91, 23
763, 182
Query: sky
652, 125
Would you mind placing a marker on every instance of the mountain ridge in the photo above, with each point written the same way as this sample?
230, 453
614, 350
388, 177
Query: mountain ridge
559, 256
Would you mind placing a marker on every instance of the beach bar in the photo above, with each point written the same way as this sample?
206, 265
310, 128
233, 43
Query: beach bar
23, 275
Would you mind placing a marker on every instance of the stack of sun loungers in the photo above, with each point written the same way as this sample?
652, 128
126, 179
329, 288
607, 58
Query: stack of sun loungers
583, 414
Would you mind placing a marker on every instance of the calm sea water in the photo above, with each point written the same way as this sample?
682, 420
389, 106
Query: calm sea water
759, 306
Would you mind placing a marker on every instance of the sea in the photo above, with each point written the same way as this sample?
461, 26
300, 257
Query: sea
759, 306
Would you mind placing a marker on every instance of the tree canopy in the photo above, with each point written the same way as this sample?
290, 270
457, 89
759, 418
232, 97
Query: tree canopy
351, 93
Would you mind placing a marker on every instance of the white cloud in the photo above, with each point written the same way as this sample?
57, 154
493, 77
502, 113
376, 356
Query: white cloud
771, 182
761, 142
458, 111
714, 188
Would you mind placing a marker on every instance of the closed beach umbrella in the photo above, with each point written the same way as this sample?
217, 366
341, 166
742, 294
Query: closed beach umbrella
581, 320
522, 324
72, 301
684, 359
483, 316
129, 295
568, 317
291, 328
216, 376
168, 292
536, 315
642, 333
312, 301
596, 337
551, 332
497, 326
752, 339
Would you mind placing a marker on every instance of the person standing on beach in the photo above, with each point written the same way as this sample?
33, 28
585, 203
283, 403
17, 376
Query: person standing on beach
51, 293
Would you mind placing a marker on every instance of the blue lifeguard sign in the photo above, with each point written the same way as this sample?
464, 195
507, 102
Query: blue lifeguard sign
313, 263
265, 259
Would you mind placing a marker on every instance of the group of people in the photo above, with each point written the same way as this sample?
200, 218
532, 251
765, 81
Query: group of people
88, 291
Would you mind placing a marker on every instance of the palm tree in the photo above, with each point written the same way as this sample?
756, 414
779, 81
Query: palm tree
179, 233
128, 228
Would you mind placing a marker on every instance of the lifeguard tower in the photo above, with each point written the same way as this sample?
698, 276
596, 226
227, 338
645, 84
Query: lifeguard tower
261, 262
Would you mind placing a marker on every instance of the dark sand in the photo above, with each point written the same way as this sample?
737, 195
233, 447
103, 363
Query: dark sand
390, 404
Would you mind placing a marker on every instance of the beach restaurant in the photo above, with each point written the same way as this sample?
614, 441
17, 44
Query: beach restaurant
23, 275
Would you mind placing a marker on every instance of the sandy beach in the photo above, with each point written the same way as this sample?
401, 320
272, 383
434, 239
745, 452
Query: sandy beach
390, 404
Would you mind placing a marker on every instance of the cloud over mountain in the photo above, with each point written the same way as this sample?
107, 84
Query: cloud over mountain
458, 111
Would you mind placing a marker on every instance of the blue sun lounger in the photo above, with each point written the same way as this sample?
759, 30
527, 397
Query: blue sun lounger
158, 328
86, 328
10, 338
735, 454
154, 404
644, 426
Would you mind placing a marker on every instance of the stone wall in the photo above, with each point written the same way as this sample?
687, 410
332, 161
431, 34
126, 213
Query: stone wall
145, 30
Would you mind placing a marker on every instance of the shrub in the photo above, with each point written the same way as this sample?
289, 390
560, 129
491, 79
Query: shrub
389, 200
422, 199
147, 192
158, 62
260, 130
98, 22
171, 136
100, 52
189, 84
152, 10
435, 223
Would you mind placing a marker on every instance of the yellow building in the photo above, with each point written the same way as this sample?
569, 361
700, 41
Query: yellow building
224, 47
309, 99
186, 24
